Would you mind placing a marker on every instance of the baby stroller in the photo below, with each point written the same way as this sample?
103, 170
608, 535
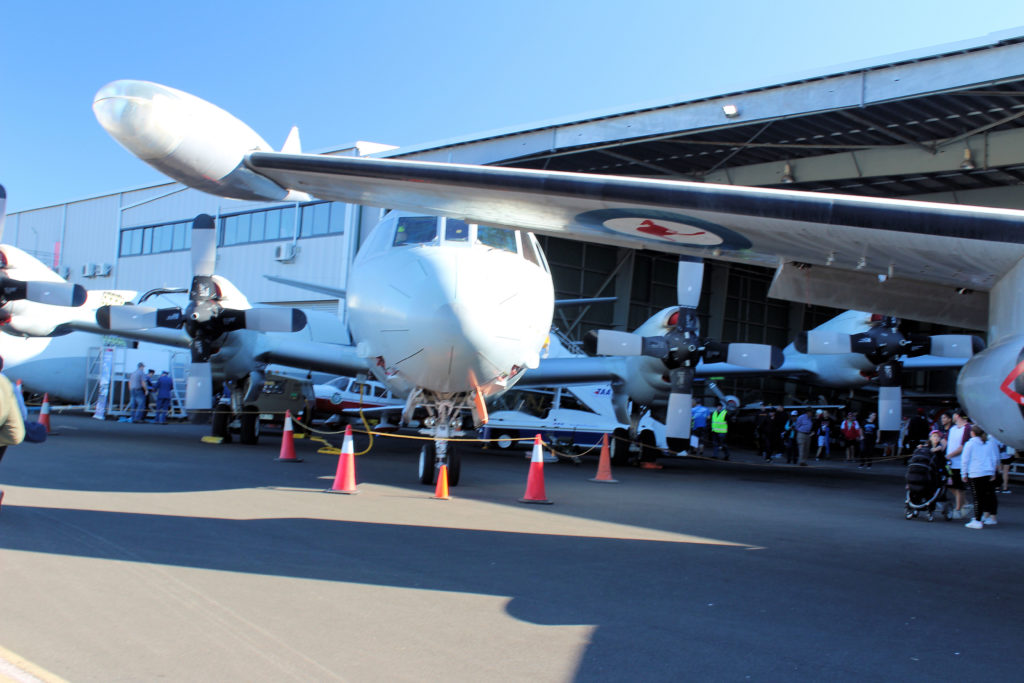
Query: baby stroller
926, 484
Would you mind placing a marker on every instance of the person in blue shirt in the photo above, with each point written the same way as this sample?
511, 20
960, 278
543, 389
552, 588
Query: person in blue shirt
700, 414
804, 428
164, 390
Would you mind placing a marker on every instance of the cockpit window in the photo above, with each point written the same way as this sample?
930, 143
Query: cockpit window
531, 250
415, 230
499, 238
456, 230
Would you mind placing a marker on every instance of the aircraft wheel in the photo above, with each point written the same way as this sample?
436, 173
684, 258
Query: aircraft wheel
649, 451
454, 465
620, 446
506, 440
220, 420
427, 468
677, 445
249, 432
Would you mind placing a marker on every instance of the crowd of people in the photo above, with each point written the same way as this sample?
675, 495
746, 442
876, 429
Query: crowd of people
974, 464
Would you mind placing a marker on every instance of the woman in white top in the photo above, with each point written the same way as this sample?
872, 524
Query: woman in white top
978, 464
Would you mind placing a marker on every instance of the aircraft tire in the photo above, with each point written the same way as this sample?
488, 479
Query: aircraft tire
427, 459
454, 465
620, 449
249, 431
649, 451
220, 420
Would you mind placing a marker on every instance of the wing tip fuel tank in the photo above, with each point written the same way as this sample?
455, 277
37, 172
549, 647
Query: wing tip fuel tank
187, 138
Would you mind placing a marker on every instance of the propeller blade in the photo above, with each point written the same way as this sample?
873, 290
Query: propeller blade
677, 417
890, 408
270, 319
614, 343
689, 281
757, 356
956, 345
3, 209
52, 293
126, 317
199, 387
822, 342
204, 245
680, 401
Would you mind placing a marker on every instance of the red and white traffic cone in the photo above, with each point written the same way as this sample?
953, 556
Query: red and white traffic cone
44, 413
288, 441
345, 477
535, 480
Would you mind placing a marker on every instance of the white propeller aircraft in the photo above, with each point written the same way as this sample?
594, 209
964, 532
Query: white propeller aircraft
943, 263
641, 372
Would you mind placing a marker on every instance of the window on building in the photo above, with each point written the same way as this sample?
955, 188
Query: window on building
321, 218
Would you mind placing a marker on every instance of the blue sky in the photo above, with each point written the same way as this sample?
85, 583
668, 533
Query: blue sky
406, 73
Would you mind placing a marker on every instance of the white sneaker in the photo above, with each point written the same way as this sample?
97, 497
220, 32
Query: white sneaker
974, 524
989, 521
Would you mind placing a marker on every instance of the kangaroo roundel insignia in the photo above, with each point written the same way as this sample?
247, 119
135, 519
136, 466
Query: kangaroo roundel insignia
666, 226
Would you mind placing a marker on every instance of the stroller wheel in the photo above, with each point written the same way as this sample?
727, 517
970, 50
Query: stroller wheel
931, 517
911, 514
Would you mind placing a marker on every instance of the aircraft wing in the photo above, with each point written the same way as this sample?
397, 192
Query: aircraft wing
336, 359
167, 337
897, 257
575, 370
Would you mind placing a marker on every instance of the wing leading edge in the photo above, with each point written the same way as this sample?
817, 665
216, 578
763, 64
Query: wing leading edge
937, 244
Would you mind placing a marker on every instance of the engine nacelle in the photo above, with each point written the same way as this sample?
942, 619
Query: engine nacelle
188, 139
991, 389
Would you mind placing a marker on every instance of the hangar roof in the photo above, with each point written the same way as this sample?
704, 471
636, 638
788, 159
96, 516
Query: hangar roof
947, 126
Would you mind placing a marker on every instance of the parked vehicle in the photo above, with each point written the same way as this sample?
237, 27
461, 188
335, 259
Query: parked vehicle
572, 418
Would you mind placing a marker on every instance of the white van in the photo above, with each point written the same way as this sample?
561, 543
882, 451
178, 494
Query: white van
575, 418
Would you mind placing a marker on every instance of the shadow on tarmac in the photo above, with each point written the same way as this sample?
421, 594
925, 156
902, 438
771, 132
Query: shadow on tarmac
837, 592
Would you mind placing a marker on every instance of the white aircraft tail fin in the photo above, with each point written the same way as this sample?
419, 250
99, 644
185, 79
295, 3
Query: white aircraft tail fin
292, 144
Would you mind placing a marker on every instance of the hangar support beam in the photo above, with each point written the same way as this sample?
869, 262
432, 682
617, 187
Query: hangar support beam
994, 150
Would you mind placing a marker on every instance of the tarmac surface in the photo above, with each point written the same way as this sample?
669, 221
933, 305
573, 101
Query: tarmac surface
134, 552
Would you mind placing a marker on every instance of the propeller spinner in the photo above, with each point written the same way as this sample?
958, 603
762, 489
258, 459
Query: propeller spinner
205, 320
682, 348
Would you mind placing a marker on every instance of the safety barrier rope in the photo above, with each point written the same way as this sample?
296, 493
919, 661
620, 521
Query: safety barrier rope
372, 433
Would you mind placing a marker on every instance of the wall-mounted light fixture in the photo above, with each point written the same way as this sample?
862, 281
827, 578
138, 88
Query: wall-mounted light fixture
787, 174
730, 111
968, 163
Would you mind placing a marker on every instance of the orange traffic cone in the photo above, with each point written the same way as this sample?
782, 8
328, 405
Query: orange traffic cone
288, 441
44, 413
535, 480
345, 477
441, 492
604, 465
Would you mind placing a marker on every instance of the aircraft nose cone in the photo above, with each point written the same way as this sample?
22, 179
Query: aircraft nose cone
141, 116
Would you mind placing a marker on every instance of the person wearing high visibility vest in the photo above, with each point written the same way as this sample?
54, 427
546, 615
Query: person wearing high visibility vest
719, 431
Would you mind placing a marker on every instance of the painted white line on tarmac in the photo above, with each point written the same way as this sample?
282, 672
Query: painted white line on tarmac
15, 668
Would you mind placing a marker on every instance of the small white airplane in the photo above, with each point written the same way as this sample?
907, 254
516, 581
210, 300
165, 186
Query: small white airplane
455, 311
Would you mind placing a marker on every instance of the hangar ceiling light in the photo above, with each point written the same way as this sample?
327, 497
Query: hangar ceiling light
730, 111
968, 163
